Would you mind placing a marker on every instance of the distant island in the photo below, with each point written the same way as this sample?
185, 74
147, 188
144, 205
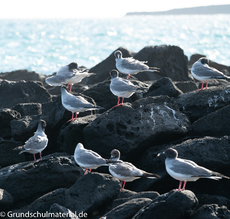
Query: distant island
212, 9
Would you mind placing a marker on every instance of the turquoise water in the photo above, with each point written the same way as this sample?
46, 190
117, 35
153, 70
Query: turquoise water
44, 45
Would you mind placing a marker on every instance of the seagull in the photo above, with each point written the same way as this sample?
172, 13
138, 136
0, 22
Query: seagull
186, 170
125, 171
69, 74
75, 104
37, 143
121, 87
88, 159
130, 65
201, 71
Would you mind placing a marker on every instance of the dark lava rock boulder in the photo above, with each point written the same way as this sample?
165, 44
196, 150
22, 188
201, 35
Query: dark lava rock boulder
211, 211
214, 124
170, 59
128, 209
28, 109
6, 116
200, 103
6, 200
133, 129
90, 194
13, 93
24, 128
173, 205
22, 74
104, 97
8, 155
29, 180
103, 68
163, 86
186, 86
71, 134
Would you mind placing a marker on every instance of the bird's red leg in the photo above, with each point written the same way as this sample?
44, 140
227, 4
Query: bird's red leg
179, 188
34, 158
201, 87
184, 185
67, 86
90, 170
41, 156
117, 103
123, 185
70, 88
71, 118
122, 101
206, 85
85, 171
127, 76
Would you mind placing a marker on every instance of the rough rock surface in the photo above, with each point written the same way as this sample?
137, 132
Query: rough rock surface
130, 129
178, 204
30, 180
13, 93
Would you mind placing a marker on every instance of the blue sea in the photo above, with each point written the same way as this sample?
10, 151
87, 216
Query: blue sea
43, 45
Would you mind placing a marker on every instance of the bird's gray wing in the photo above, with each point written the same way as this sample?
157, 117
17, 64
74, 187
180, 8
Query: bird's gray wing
209, 72
122, 85
190, 168
133, 64
91, 157
126, 169
36, 142
77, 102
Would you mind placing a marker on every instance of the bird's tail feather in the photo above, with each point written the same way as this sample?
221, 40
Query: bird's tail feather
150, 175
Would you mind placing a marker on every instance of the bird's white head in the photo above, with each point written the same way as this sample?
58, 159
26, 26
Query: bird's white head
80, 146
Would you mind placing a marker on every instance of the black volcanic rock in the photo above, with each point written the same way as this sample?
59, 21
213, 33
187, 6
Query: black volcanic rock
163, 86
7, 151
28, 109
132, 129
214, 124
200, 103
24, 128
71, 134
176, 205
13, 93
90, 194
186, 86
22, 74
211, 211
29, 180
170, 59
128, 209
6, 116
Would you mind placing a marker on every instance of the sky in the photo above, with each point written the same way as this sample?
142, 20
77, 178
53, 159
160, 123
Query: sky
91, 8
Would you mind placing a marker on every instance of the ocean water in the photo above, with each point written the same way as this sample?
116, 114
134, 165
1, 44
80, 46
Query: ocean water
43, 45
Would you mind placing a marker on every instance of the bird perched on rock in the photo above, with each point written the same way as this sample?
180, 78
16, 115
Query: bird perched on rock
201, 71
69, 74
130, 65
88, 159
186, 170
75, 104
125, 171
37, 143
121, 87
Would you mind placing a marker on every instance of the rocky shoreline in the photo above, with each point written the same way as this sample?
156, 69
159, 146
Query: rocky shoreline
167, 112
